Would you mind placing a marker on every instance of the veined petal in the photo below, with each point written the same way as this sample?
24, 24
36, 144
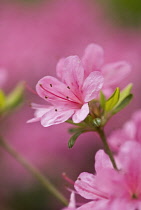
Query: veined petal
115, 72
72, 72
85, 186
54, 91
93, 58
56, 116
92, 85
81, 114
40, 111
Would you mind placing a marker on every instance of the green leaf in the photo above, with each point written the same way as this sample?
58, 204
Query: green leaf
102, 100
74, 138
124, 93
113, 100
15, 98
2, 99
123, 104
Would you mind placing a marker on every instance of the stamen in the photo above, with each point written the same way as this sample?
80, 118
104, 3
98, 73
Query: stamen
78, 178
55, 110
67, 97
68, 179
50, 85
30, 89
46, 97
68, 87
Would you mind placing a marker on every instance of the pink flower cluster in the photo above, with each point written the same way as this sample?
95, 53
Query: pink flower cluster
81, 81
111, 189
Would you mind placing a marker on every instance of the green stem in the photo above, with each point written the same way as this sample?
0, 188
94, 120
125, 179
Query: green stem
106, 146
34, 171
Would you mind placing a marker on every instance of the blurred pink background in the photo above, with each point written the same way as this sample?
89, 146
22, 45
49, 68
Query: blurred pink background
33, 37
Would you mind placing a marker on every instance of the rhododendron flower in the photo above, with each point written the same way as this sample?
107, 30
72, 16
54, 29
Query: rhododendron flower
113, 73
112, 189
70, 97
130, 131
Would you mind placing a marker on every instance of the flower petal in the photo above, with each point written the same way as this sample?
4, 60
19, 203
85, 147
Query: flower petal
115, 72
40, 111
93, 58
85, 185
92, 84
72, 72
54, 91
60, 68
56, 116
81, 114
102, 161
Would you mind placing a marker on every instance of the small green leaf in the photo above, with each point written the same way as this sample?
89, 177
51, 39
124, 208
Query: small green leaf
2, 99
112, 101
123, 104
74, 138
102, 100
15, 98
125, 92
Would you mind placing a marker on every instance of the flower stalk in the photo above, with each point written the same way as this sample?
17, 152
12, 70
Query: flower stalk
34, 171
102, 135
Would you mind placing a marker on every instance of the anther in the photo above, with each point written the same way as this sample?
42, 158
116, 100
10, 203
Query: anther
55, 110
46, 97
68, 87
78, 178
40, 85
67, 97
50, 85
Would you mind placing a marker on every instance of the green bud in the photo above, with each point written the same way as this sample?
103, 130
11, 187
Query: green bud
97, 122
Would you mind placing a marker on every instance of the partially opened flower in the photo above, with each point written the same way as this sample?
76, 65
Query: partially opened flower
110, 189
70, 97
113, 73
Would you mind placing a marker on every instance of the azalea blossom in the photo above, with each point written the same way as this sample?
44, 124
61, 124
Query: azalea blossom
80, 83
69, 97
130, 131
111, 189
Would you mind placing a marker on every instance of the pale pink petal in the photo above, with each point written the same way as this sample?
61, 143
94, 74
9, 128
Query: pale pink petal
85, 185
72, 200
114, 73
56, 116
73, 72
54, 91
96, 205
60, 68
81, 114
102, 161
3, 76
93, 58
40, 111
92, 85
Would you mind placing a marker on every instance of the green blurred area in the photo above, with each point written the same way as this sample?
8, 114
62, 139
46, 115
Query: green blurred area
123, 12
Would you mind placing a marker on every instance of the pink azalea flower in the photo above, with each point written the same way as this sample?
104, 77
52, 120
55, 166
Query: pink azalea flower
71, 96
110, 189
113, 73
130, 131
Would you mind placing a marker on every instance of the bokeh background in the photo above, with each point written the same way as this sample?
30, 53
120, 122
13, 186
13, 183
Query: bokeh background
34, 35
